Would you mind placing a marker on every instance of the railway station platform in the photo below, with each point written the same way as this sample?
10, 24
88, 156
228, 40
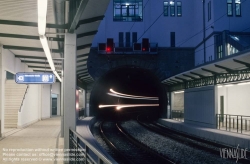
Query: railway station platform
219, 136
36, 143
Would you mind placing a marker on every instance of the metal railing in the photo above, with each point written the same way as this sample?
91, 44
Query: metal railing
82, 152
23, 98
233, 123
178, 115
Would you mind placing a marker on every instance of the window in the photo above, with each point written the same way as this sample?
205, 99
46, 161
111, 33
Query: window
128, 11
134, 37
219, 52
172, 9
229, 7
172, 39
209, 10
165, 8
231, 49
179, 9
237, 8
121, 39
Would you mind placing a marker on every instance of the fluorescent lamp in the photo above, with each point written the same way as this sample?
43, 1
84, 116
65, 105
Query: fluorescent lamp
58, 77
42, 13
46, 49
229, 85
219, 86
179, 92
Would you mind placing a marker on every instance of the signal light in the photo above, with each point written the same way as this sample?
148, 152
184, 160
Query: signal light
110, 45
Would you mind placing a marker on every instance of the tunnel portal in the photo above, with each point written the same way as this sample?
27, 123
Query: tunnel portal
139, 89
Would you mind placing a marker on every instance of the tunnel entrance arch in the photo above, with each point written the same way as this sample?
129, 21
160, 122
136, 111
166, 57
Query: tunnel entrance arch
129, 80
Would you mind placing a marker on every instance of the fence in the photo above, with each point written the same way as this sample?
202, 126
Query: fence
233, 123
178, 115
82, 152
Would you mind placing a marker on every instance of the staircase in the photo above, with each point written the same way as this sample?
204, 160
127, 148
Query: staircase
14, 94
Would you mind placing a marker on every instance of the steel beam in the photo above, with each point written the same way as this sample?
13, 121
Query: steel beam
86, 34
241, 62
225, 68
29, 48
90, 20
84, 46
77, 16
82, 60
189, 76
31, 24
83, 55
212, 72
197, 74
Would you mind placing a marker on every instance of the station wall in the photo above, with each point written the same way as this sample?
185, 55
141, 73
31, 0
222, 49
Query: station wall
36, 104
199, 105
236, 99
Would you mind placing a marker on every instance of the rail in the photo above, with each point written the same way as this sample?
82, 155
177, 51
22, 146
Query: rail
233, 123
23, 98
81, 151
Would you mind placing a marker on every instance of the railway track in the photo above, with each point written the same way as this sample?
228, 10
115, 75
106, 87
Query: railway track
129, 149
192, 141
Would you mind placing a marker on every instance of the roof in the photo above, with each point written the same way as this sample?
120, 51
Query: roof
19, 32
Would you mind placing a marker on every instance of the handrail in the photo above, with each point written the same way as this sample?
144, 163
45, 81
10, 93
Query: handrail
233, 123
100, 156
23, 98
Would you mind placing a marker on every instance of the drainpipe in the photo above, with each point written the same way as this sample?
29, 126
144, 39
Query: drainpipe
204, 31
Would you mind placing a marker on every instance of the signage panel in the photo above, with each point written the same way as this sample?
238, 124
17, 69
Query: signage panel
34, 78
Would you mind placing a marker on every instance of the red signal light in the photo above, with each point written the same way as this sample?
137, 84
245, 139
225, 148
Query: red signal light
143, 49
108, 49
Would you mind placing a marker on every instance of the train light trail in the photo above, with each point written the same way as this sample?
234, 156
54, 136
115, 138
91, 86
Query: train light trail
118, 107
134, 105
131, 96
127, 97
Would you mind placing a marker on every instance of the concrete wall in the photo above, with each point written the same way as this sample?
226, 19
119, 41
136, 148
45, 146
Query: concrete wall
177, 101
33, 108
189, 28
46, 101
236, 99
156, 26
56, 89
199, 105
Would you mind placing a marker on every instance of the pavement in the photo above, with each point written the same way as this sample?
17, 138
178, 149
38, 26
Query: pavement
37, 143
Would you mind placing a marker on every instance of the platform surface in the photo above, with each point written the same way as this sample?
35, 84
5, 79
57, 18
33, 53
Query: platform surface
41, 138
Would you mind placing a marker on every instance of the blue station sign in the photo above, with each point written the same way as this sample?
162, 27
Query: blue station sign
34, 78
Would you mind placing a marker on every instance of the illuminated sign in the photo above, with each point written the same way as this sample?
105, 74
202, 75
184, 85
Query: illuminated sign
34, 78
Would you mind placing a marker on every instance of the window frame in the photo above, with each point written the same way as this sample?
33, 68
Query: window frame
231, 7
209, 11
165, 8
120, 18
172, 7
236, 4
179, 7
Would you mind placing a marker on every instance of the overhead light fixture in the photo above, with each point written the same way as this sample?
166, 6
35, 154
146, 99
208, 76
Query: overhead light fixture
42, 13
219, 86
179, 92
229, 85
46, 49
